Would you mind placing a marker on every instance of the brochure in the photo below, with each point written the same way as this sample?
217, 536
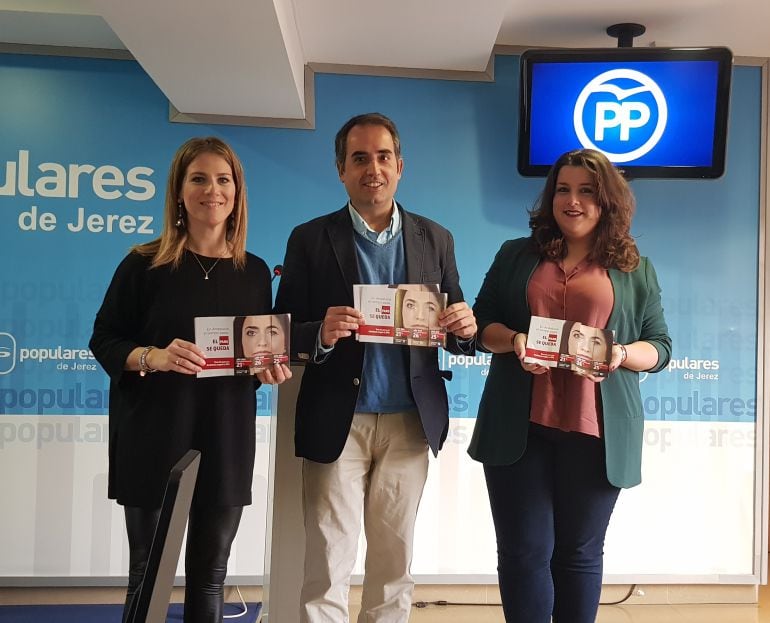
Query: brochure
569, 345
242, 345
405, 314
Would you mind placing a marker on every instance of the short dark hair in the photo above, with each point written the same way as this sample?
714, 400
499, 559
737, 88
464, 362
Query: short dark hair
370, 118
565, 331
238, 323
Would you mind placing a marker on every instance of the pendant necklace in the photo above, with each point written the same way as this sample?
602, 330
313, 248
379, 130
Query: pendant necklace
205, 272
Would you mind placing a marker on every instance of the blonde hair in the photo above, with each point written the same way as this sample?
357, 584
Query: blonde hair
170, 246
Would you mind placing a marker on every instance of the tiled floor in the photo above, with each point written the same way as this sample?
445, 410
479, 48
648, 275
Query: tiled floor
708, 613
695, 613
607, 614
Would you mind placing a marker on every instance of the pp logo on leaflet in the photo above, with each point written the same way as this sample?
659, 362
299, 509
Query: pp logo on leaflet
621, 112
7, 353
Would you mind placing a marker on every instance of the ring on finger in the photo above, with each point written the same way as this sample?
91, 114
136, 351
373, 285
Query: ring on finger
177, 361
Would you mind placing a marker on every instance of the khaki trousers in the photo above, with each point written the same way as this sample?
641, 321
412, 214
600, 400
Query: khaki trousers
382, 472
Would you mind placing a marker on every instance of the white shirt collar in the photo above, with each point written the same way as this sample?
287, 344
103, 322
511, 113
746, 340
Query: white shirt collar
361, 226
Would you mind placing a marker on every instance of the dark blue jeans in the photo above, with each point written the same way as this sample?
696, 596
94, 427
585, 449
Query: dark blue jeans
551, 510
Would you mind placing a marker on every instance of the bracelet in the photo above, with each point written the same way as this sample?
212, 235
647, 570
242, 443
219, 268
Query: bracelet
144, 369
513, 339
623, 353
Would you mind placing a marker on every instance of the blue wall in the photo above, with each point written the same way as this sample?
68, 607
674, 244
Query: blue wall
459, 143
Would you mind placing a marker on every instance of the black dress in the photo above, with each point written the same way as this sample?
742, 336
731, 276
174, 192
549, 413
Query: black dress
155, 419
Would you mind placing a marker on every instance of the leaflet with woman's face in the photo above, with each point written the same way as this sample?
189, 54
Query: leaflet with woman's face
568, 344
404, 314
420, 310
242, 345
264, 338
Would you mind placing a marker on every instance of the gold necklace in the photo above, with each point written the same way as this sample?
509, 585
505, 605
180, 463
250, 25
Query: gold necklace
205, 272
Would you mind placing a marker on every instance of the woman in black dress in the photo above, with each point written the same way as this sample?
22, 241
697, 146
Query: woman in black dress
144, 338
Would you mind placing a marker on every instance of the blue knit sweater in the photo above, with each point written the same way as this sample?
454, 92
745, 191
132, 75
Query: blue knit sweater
385, 383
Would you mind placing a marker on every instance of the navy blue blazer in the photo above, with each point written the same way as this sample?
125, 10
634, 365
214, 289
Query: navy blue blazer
319, 271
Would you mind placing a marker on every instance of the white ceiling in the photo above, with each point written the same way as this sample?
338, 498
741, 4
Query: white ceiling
246, 60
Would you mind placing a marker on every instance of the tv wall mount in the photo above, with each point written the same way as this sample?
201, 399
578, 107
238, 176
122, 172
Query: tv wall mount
625, 33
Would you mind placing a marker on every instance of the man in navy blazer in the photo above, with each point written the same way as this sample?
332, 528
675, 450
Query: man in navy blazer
366, 413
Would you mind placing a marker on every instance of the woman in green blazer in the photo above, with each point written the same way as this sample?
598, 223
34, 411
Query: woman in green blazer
557, 447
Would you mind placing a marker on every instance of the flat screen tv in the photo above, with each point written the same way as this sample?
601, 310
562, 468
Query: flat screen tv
655, 112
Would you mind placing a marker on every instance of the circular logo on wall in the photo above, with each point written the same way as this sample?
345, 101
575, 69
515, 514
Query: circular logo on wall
622, 113
7, 353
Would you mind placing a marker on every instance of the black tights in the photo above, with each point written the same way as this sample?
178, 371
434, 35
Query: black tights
210, 533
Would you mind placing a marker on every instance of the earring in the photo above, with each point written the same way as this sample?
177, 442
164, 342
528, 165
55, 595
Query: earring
180, 215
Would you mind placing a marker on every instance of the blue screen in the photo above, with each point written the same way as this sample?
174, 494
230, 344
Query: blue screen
641, 113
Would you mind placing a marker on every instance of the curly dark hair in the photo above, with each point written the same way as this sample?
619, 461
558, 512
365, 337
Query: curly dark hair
614, 246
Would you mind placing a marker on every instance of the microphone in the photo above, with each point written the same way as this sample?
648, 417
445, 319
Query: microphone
277, 270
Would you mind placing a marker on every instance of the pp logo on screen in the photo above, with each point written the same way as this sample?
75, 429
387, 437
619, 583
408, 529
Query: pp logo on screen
7, 353
625, 113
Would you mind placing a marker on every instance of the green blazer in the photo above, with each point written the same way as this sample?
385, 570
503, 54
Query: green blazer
500, 434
